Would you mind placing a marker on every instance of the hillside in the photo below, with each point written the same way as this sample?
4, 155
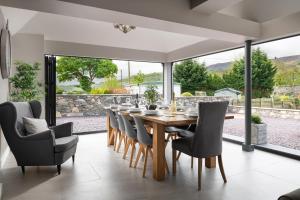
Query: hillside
152, 77
290, 61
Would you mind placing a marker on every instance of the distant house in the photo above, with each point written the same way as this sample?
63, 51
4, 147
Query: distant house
228, 92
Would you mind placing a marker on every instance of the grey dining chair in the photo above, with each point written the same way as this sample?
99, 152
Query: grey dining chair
146, 143
115, 128
122, 137
131, 138
207, 139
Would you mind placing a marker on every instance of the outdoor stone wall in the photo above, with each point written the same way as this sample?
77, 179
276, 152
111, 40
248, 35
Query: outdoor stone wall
70, 105
287, 89
268, 112
93, 105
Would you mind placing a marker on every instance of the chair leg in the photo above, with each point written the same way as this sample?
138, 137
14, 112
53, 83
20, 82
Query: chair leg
192, 162
111, 137
58, 169
174, 161
73, 158
116, 139
126, 148
23, 170
132, 152
199, 173
138, 156
178, 156
145, 162
121, 138
166, 166
220, 161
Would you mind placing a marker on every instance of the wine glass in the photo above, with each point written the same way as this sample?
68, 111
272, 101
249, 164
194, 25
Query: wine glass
118, 100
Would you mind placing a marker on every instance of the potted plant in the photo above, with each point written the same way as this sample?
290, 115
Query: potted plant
258, 130
151, 95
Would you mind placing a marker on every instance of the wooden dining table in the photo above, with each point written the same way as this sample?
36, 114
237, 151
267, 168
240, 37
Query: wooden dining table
159, 123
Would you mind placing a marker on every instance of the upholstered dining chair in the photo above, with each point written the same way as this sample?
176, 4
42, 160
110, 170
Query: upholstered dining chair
123, 137
115, 128
206, 142
131, 138
181, 132
50, 147
146, 142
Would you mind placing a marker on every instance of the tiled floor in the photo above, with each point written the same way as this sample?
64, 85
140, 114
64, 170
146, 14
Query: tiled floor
101, 173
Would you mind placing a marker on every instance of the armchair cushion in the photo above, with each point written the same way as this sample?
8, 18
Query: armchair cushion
65, 143
63, 130
34, 126
294, 195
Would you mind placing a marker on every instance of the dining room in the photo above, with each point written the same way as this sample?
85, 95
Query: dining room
130, 99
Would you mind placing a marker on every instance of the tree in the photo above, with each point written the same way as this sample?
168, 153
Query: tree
214, 82
24, 82
138, 79
84, 70
263, 72
191, 75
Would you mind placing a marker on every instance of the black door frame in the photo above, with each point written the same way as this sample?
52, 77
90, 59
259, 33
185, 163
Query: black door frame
50, 89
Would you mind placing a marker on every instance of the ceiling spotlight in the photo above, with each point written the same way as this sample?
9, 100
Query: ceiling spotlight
124, 28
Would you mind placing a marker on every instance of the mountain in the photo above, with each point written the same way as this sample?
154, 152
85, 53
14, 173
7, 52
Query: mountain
221, 67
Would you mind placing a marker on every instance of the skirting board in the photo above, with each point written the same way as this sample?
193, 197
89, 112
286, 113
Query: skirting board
4, 158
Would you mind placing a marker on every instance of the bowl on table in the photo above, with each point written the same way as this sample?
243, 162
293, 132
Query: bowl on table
122, 108
134, 110
150, 112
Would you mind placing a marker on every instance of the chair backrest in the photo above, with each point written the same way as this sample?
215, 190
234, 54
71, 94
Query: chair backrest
129, 130
121, 123
11, 120
142, 134
208, 136
113, 120
26, 109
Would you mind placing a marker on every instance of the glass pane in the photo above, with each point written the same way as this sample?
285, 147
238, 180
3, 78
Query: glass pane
86, 85
210, 78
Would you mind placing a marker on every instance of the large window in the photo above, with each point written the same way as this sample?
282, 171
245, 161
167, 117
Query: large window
275, 89
85, 86
210, 78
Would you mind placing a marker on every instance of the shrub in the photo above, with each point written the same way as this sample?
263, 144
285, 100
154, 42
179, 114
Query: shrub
151, 94
284, 98
59, 90
256, 119
111, 83
186, 94
99, 91
25, 86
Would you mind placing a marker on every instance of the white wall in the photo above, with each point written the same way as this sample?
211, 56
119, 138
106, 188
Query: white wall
3, 97
29, 48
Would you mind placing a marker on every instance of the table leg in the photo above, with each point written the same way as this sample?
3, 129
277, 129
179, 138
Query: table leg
210, 162
158, 152
109, 131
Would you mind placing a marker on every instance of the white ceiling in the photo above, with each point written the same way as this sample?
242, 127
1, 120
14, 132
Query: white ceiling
77, 30
166, 29
262, 10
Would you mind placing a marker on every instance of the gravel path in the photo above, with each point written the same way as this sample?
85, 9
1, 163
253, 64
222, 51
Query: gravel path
282, 132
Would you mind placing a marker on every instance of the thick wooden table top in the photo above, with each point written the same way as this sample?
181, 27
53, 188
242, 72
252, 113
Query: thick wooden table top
168, 119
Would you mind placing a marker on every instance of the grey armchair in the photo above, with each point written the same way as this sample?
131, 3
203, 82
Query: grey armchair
206, 141
52, 147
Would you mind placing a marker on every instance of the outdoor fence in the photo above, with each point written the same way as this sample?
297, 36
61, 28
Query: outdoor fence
270, 103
